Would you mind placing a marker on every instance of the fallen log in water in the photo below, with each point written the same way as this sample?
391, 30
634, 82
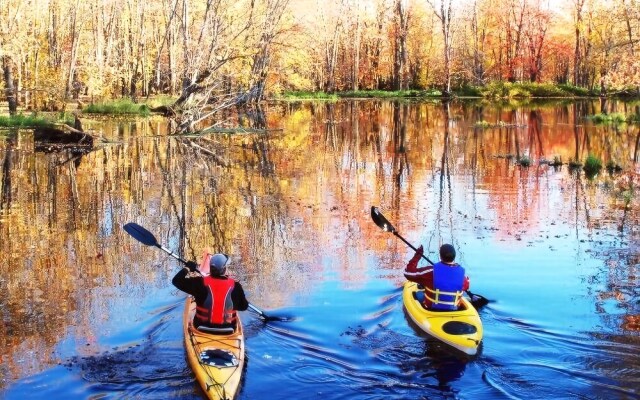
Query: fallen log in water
63, 136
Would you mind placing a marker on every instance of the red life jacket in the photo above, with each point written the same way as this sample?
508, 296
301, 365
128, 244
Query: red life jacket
218, 307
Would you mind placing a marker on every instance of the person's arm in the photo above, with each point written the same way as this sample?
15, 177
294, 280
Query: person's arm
240, 302
421, 275
188, 280
466, 284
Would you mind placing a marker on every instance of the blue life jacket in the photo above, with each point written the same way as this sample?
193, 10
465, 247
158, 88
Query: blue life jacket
447, 286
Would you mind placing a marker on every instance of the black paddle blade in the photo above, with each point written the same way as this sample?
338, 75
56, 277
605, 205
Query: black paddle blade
477, 301
142, 235
280, 318
381, 221
268, 318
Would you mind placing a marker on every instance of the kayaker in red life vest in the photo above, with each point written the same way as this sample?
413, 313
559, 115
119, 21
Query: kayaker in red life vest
444, 282
217, 296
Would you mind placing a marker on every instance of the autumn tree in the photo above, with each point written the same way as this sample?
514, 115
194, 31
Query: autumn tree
582, 46
401, 28
10, 15
268, 23
478, 40
443, 10
537, 23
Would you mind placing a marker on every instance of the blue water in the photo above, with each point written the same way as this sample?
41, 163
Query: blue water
356, 343
542, 245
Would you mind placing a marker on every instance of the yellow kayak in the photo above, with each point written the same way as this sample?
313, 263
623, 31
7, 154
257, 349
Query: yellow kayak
461, 329
216, 358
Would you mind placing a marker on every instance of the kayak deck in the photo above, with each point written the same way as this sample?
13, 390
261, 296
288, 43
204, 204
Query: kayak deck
217, 360
461, 329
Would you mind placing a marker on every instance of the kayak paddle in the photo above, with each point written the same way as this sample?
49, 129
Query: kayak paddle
380, 220
148, 239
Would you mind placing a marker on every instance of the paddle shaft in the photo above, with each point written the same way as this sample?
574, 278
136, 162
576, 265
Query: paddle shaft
410, 245
382, 222
147, 238
251, 306
471, 295
257, 310
171, 253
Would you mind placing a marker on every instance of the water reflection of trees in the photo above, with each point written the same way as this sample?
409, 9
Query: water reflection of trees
277, 201
61, 242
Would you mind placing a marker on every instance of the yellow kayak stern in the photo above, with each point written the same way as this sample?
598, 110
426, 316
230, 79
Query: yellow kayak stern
217, 360
461, 329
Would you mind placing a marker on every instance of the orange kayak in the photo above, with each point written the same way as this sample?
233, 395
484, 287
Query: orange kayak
216, 357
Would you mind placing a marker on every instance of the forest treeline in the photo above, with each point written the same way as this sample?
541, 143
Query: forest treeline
225, 52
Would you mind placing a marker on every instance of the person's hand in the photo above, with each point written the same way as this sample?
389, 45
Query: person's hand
192, 266
413, 263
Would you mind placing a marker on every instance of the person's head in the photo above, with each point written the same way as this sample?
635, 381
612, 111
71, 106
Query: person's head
218, 264
447, 253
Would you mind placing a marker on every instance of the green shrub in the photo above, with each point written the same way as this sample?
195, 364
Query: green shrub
524, 161
574, 90
497, 89
592, 165
633, 118
118, 107
34, 121
468, 91
525, 90
613, 118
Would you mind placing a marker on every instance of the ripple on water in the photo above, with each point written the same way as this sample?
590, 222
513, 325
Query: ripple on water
314, 372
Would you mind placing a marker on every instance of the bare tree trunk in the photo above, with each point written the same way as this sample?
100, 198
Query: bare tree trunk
628, 23
377, 45
10, 91
445, 15
514, 36
356, 54
577, 57
55, 53
331, 60
478, 49
261, 60
75, 38
400, 51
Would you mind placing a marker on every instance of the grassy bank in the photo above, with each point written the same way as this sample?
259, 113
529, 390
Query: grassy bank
507, 90
493, 90
118, 107
360, 94
34, 121
306, 95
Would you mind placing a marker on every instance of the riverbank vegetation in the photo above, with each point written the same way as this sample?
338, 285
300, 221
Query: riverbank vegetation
119, 107
34, 121
222, 54
615, 118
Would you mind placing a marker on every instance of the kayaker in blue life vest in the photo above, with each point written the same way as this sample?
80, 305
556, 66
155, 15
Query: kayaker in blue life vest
443, 283
217, 296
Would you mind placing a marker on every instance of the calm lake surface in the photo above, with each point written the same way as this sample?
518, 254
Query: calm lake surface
88, 312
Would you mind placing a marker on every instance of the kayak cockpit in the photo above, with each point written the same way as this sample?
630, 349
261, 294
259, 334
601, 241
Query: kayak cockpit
218, 358
215, 331
461, 307
459, 328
